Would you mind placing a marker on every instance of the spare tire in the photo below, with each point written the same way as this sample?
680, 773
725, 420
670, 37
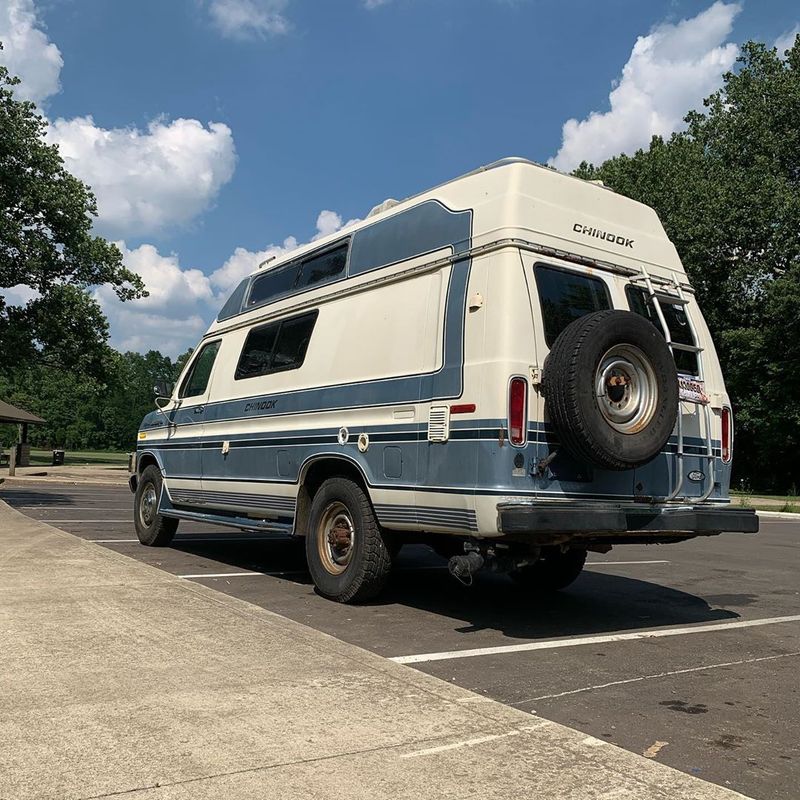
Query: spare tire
611, 389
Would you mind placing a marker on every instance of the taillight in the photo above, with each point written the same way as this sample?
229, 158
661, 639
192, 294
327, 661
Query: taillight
727, 435
517, 408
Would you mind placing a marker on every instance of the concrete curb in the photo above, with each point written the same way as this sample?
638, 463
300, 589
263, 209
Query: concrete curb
125, 679
779, 515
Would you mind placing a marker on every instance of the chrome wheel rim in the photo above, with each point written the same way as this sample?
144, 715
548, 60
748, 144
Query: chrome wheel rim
626, 389
336, 538
148, 504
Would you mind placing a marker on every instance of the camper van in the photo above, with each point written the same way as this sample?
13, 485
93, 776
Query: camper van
511, 367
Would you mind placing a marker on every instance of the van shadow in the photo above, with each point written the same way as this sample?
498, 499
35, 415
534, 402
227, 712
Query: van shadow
595, 603
420, 586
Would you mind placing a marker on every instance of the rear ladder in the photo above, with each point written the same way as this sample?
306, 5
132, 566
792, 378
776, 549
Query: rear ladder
657, 298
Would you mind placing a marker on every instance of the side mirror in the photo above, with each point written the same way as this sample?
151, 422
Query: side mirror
163, 388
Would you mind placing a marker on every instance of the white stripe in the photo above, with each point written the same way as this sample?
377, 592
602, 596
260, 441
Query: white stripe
111, 541
619, 563
554, 644
62, 508
98, 521
466, 743
651, 677
243, 574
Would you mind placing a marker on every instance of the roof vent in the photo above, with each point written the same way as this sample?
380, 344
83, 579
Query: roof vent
384, 206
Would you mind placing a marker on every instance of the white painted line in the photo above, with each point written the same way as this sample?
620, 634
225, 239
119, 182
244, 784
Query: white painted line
112, 541
429, 751
652, 677
243, 574
620, 563
64, 508
98, 521
554, 644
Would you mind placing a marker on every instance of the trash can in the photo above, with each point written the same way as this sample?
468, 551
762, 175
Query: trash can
58, 458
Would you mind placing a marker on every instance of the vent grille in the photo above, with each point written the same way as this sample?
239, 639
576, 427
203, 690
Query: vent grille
439, 424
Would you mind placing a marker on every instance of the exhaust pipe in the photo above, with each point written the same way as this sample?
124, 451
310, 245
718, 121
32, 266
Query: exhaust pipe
462, 568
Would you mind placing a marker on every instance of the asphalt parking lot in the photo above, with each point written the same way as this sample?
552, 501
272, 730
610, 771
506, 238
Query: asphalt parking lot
714, 693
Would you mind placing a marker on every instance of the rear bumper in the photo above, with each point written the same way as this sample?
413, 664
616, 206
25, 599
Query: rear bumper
538, 520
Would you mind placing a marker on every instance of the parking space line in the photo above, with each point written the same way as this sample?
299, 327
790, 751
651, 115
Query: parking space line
112, 541
429, 751
668, 674
99, 521
554, 644
620, 563
243, 574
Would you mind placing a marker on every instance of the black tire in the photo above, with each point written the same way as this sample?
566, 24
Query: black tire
152, 529
591, 423
553, 571
347, 556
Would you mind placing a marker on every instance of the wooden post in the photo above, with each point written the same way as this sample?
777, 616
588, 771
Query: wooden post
12, 462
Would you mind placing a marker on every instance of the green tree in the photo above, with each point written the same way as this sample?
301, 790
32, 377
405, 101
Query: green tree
728, 192
47, 244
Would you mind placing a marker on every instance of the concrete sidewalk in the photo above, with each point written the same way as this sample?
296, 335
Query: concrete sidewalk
118, 678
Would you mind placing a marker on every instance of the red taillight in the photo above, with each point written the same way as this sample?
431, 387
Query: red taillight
727, 435
517, 406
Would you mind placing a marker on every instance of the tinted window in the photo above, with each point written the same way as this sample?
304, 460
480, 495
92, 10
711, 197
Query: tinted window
200, 371
324, 268
566, 296
283, 281
273, 284
677, 322
276, 347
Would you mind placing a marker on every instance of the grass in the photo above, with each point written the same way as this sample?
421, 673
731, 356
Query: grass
72, 458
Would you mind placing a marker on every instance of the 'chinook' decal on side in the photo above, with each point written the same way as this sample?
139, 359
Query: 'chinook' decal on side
598, 234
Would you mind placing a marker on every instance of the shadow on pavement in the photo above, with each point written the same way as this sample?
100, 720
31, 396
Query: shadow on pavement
595, 603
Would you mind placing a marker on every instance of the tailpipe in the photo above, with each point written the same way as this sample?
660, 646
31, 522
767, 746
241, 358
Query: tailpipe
462, 568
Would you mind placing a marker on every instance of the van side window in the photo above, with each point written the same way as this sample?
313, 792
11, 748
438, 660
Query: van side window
675, 316
276, 347
196, 381
566, 296
316, 270
324, 268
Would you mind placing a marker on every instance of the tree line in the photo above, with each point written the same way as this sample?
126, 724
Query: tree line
727, 189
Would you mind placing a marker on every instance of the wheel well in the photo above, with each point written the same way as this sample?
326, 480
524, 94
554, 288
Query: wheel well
315, 475
145, 460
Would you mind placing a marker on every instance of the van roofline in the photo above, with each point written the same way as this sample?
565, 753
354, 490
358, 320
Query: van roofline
303, 249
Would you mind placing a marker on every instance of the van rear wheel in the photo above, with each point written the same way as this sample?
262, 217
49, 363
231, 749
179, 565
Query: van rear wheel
347, 555
153, 529
553, 571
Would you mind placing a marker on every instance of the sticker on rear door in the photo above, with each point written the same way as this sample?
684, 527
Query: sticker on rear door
692, 390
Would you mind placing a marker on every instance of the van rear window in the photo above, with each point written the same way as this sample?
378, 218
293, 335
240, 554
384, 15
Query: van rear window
675, 317
276, 347
566, 296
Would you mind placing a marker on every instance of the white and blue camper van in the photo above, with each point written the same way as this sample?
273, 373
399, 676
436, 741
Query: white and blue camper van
511, 367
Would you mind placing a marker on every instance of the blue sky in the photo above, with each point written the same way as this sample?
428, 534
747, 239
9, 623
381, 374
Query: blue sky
211, 125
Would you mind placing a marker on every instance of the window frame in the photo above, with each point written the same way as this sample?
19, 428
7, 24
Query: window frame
314, 314
193, 364
299, 263
540, 265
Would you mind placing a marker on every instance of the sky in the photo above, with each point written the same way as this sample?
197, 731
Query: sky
216, 133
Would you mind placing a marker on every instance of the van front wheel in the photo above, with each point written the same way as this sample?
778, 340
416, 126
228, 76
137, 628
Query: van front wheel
152, 528
347, 555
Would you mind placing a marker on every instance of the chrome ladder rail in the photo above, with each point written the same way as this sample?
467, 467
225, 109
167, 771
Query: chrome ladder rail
680, 299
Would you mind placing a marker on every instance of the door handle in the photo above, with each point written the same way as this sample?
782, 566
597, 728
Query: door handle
199, 409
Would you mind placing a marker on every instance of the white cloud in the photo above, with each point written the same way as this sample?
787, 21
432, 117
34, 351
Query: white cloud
249, 19
183, 301
147, 180
370, 4
786, 40
27, 52
144, 180
668, 73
